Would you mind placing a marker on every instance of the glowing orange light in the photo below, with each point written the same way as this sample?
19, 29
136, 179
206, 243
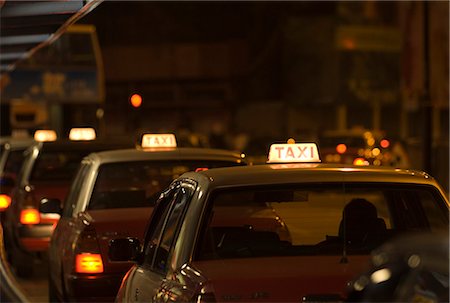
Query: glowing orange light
360, 162
136, 100
5, 201
385, 143
30, 216
348, 43
341, 148
89, 263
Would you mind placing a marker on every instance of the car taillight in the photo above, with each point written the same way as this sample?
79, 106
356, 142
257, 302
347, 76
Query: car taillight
30, 216
5, 201
88, 263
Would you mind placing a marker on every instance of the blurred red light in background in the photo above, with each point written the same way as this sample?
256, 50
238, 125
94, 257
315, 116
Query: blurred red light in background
136, 100
384, 143
341, 148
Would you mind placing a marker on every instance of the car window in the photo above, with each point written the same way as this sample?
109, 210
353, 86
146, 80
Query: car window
56, 165
13, 162
139, 183
161, 244
75, 189
320, 219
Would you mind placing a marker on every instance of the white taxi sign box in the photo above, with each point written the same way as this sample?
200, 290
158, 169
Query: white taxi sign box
45, 135
158, 141
82, 134
294, 153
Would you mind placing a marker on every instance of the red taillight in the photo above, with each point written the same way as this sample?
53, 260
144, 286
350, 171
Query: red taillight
5, 201
87, 263
201, 169
30, 216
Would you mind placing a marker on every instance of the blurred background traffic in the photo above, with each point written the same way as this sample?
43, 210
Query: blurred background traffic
235, 75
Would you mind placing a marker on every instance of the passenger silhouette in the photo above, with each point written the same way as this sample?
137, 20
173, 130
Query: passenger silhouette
360, 224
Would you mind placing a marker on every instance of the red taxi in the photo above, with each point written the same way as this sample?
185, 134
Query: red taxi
335, 215
48, 167
112, 196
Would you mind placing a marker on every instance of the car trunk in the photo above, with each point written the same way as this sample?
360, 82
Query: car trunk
281, 279
118, 223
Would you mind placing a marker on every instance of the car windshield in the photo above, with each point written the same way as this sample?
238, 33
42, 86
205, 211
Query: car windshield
139, 183
317, 219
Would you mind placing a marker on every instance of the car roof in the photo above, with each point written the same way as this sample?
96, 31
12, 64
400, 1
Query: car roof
16, 143
272, 174
67, 145
187, 153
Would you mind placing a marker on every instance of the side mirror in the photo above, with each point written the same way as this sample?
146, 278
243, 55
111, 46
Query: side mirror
127, 249
50, 206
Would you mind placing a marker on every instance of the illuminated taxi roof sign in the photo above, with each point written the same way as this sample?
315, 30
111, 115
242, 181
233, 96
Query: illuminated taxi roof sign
82, 134
45, 135
158, 141
294, 153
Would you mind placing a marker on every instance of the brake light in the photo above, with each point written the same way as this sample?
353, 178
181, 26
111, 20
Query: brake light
5, 201
88, 263
30, 216
201, 169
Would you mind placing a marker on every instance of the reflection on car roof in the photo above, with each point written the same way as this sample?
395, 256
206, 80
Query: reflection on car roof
121, 155
308, 173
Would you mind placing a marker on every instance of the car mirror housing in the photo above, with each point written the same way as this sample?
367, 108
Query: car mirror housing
124, 249
50, 205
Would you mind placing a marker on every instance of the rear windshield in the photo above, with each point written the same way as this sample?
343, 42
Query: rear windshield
139, 183
317, 219
56, 165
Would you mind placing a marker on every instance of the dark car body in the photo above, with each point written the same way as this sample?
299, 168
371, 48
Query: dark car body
113, 196
46, 173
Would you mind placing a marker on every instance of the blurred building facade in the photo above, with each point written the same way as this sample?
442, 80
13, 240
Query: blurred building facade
275, 69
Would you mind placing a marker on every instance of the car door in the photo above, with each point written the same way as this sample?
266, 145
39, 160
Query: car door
145, 280
64, 233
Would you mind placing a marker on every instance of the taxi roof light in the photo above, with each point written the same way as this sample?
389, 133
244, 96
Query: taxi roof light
158, 141
5, 201
82, 134
30, 216
89, 263
294, 153
45, 135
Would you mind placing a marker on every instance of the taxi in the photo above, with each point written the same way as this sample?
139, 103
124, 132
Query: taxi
113, 195
11, 159
48, 167
194, 251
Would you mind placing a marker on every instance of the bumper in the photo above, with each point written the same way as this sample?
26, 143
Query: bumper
35, 238
94, 288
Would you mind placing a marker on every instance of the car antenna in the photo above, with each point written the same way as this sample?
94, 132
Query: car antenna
344, 259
